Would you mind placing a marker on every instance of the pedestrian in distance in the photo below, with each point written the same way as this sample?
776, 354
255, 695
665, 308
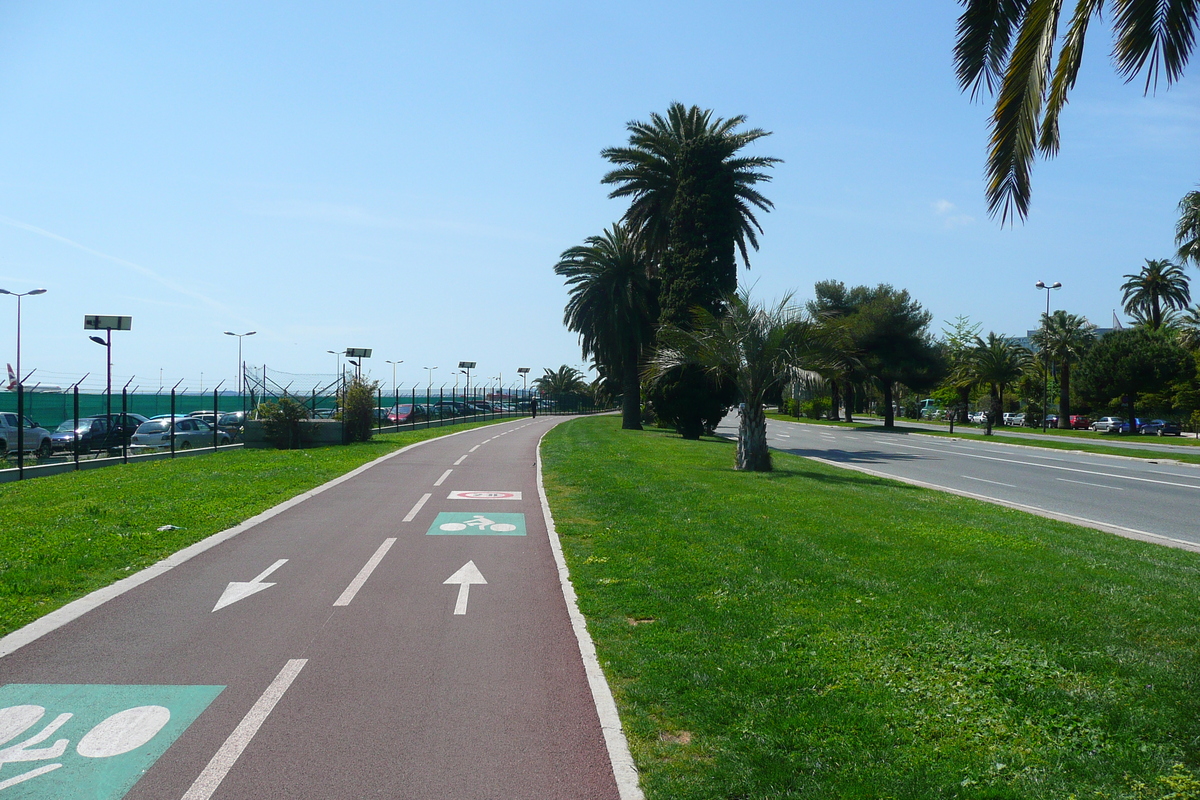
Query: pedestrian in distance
533, 407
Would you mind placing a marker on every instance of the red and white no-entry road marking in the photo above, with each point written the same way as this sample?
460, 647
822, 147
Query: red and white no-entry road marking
484, 495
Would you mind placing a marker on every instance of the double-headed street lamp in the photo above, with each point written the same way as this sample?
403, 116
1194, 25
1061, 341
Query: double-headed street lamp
20, 388
395, 399
1045, 360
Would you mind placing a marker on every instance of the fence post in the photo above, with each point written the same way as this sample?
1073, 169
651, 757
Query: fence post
171, 421
216, 416
76, 418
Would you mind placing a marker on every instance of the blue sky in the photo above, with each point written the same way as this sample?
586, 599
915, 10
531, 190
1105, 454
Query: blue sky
404, 176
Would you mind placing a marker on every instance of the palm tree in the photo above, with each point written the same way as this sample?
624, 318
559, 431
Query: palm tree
651, 169
563, 384
612, 307
1188, 326
998, 362
758, 348
1187, 230
1006, 48
1159, 283
1062, 340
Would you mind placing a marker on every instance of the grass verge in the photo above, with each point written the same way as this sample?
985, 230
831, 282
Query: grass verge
63, 536
813, 632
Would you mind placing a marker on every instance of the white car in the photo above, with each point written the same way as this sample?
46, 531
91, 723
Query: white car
978, 417
189, 432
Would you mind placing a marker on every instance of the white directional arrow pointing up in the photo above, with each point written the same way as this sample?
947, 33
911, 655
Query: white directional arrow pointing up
240, 590
464, 578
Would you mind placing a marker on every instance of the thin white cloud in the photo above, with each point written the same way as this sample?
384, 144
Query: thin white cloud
945, 209
145, 272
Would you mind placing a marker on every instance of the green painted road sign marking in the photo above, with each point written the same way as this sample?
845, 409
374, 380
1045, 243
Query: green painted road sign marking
67, 740
449, 523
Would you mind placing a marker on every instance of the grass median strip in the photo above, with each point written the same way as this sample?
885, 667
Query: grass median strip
64, 536
813, 632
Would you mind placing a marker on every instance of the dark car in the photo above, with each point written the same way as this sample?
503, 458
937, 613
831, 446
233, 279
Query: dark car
407, 412
95, 434
1161, 427
233, 423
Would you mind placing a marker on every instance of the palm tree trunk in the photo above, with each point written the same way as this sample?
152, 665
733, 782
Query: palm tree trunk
835, 399
849, 401
752, 451
1064, 395
631, 401
889, 414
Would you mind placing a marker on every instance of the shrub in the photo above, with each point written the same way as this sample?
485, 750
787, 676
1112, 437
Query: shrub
358, 409
284, 422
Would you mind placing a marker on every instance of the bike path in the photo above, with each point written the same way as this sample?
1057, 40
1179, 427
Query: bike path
341, 664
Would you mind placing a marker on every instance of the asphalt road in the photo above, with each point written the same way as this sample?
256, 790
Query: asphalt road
1145, 499
323, 654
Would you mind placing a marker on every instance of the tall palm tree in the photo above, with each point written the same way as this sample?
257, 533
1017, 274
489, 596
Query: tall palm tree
563, 384
1187, 230
1062, 340
756, 347
1006, 48
651, 169
1189, 328
613, 306
1159, 283
998, 362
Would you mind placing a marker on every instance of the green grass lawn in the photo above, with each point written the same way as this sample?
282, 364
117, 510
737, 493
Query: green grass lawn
65, 535
814, 632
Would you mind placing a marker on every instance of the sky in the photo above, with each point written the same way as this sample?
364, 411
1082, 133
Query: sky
404, 176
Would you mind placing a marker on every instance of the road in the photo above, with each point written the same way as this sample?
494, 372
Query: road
1145, 499
386, 637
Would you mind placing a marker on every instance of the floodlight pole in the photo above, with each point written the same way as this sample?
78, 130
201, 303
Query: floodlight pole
1045, 361
241, 367
20, 385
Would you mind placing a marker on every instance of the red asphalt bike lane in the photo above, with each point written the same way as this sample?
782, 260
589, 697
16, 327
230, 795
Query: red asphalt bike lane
351, 668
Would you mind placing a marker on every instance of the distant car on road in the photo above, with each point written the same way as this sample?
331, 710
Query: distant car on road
1161, 427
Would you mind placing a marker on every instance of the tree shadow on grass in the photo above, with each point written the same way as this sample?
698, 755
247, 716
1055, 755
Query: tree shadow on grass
838, 477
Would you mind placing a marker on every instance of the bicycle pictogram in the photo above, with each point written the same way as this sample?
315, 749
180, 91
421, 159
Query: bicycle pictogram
480, 522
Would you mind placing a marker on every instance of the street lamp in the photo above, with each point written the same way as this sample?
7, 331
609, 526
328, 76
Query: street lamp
20, 377
429, 374
241, 366
395, 398
1045, 360
524, 372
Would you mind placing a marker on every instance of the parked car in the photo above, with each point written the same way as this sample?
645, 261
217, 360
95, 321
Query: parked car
36, 438
406, 412
1051, 421
1079, 422
189, 432
1016, 420
1161, 427
1110, 425
208, 416
97, 433
325, 413
233, 423
978, 417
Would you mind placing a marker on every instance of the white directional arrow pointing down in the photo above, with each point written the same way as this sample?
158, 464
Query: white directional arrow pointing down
240, 590
464, 578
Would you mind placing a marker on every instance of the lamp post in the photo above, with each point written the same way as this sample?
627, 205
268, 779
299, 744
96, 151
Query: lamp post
524, 373
20, 388
1046, 361
337, 353
395, 398
241, 368
429, 384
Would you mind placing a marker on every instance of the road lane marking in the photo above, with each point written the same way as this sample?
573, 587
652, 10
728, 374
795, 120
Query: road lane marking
464, 458
445, 475
364, 573
1054, 466
466, 576
240, 590
1097, 485
476, 447
224, 759
412, 514
985, 480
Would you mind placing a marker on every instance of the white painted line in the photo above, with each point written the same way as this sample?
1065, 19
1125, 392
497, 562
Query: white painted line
985, 480
240, 590
227, 756
624, 770
445, 475
464, 458
476, 447
784, 435
365, 573
1085, 483
413, 512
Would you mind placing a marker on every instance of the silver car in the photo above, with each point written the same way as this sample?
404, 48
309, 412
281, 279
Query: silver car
189, 432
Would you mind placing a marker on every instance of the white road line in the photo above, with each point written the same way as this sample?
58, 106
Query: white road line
364, 573
413, 513
1097, 485
855, 438
464, 458
227, 756
985, 480
476, 447
445, 475
1054, 466
784, 435
1174, 475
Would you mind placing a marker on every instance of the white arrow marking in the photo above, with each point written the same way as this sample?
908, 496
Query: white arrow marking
240, 590
464, 578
